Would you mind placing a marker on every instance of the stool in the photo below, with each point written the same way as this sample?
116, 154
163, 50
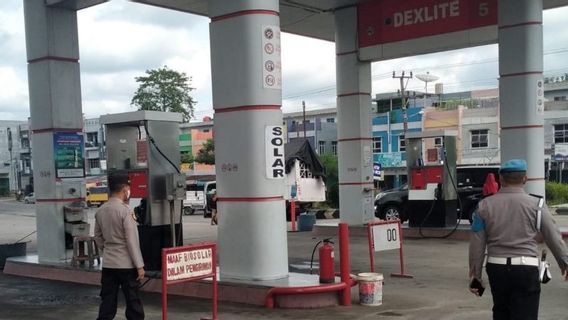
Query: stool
79, 244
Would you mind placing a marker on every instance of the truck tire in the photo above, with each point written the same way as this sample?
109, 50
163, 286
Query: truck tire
188, 211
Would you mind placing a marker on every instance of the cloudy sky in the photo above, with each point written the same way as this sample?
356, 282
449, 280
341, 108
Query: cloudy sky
119, 40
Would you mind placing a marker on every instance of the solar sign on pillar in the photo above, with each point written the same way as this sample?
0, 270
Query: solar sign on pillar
247, 98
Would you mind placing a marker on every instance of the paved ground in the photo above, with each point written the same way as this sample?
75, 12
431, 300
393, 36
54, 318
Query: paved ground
438, 290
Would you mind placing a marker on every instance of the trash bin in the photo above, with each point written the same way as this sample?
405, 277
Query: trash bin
306, 222
11, 250
370, 289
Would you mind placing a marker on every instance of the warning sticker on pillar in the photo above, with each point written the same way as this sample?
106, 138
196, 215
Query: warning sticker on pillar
274, 136
540, 97
271, 62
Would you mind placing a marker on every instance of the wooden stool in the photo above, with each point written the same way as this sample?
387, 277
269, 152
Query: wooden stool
79, 255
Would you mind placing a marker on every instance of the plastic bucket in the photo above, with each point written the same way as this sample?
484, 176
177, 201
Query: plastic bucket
11, 250
370, 289
306, 222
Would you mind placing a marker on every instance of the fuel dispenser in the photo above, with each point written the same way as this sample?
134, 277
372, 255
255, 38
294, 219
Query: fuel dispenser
145, 146
432, 184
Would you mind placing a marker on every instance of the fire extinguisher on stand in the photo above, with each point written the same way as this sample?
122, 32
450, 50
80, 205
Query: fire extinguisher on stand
326, 261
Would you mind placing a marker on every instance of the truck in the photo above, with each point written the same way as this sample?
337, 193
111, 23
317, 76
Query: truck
196, 196
97, 196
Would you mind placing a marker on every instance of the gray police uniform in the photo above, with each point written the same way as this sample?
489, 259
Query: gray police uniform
507, 224
116, 233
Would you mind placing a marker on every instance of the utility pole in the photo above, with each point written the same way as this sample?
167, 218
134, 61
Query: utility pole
304, 122
402, 77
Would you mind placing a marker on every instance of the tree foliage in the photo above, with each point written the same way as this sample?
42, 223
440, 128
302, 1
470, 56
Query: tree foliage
165, 89
331, 179
206, 154
186, 157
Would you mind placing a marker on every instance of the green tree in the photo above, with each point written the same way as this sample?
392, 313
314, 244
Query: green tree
206, 154
186, 157
165, 90
331, 179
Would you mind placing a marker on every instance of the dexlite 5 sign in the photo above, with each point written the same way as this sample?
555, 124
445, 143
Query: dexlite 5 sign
393, 28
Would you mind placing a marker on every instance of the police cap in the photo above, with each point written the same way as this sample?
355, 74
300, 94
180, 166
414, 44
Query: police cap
515, 165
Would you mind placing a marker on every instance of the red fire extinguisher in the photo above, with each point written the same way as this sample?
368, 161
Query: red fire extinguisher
326, 262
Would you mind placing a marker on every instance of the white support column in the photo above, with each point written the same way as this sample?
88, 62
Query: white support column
55, 105
247, 97
354, 123
520, 70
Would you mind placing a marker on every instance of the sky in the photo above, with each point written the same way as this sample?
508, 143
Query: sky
119, 40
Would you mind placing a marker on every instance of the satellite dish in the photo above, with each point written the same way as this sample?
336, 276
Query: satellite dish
427, 77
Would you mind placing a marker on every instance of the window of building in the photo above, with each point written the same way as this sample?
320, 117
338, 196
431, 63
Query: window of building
560, 98
25, 143
307, 121
304, 171
377, 144
401, 143
479, 138
93, 138
334, 147
438, 142
321, 147
330, 120
560, 133
94, 163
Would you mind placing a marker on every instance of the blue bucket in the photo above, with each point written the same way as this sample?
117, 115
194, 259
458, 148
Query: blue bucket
306, 222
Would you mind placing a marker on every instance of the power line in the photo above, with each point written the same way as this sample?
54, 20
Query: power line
386, 75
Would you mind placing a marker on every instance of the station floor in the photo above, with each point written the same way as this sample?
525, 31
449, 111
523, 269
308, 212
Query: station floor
437, 291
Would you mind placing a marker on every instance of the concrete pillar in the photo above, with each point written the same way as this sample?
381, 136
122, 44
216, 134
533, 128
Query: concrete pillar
247, 97
354, 128
55, 104
521, 87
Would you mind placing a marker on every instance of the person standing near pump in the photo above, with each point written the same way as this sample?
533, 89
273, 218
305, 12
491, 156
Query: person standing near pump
116, 233
507, 223
213, 207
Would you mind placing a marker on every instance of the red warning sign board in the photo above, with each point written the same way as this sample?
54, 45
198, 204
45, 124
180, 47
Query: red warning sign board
386, 21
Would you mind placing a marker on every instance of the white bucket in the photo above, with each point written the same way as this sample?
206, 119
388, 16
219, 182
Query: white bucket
370, 289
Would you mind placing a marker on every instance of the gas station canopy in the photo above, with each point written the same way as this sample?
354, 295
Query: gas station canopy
310, 18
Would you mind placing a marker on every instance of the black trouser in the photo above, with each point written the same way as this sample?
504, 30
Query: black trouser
111, 280
515, 290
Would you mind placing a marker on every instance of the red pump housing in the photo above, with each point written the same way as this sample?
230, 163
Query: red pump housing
326, 262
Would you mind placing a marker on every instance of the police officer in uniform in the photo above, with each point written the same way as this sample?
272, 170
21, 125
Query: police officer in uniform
506, 225
116, 233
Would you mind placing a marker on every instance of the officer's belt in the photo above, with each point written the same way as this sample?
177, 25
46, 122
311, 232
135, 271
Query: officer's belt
515, 261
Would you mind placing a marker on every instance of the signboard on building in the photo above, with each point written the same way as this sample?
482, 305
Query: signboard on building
68, 154
271, 62
387, 22
377, 172
274, 136
389, 160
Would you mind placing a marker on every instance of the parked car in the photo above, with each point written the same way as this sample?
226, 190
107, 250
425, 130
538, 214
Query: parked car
30, 198
392, 204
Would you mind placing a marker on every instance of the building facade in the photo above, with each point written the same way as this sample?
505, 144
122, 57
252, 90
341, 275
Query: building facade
10, 155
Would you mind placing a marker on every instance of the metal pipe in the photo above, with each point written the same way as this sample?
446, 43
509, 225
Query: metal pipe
269, 300
344, 264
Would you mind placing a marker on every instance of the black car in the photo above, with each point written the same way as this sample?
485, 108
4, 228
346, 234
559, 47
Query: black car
392, 204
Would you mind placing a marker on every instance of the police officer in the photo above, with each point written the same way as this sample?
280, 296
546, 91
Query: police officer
116, 233
506, 224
